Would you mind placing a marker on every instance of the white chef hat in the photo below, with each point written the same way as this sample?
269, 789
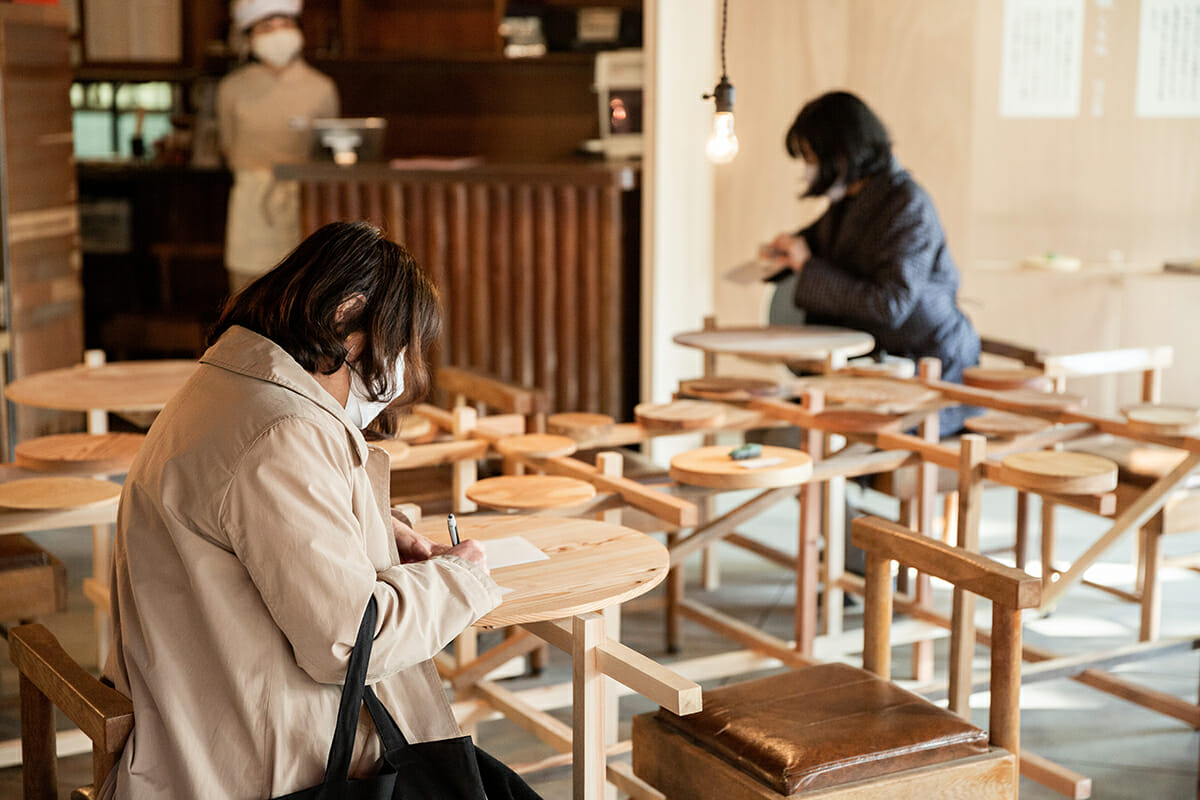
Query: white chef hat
247, 12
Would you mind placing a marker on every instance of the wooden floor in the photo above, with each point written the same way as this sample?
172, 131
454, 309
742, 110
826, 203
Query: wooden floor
1128, 751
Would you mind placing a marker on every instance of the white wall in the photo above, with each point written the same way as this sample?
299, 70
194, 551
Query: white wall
677, 189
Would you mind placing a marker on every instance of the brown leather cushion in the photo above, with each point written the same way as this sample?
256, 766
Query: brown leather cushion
823, 726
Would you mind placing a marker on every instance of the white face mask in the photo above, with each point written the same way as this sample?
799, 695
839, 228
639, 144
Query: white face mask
810, 175
277, 48
360, 407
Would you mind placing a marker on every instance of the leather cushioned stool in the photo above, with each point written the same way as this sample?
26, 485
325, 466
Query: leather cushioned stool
834, 732
810, 729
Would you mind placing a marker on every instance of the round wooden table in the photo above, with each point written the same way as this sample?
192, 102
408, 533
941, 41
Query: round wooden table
592, 565
781, 342
119, 386
712, 468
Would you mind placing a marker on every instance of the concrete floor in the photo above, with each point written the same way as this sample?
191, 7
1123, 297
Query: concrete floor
1129, 752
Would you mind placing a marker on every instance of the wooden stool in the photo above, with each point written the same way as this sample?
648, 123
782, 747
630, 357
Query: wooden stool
834, 731
536, 445
728, 389
80, 453
32, 582
530, 492
1000, 425
1059, 472
580, 426
1000, 379
680, 415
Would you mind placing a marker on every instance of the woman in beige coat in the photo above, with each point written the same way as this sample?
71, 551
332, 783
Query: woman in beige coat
254, 527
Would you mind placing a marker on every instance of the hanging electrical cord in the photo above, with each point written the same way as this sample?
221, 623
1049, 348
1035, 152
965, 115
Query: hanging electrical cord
722, 145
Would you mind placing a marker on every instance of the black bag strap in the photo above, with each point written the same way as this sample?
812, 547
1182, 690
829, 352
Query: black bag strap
385, 725
337, 768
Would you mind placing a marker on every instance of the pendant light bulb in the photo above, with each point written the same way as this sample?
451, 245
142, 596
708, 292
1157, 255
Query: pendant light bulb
722, 145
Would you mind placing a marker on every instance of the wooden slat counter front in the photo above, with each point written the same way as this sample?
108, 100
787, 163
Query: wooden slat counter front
528, 260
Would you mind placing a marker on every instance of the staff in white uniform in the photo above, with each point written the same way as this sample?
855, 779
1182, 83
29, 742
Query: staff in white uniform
264, 109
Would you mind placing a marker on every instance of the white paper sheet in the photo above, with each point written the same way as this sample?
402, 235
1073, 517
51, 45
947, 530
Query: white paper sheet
511, 551
1168, 71
1043, 58
751, 272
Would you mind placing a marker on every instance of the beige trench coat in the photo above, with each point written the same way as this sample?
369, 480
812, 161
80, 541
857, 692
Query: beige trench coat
252, 530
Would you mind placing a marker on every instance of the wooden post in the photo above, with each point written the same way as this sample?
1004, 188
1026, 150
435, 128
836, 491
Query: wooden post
877, 617
674, 588
38, 743
927, 477
1024, 519
102, 535
808, 549
710, 566
1152, 581
465, 471
1004, 714
972, 452
833, 566
587, 709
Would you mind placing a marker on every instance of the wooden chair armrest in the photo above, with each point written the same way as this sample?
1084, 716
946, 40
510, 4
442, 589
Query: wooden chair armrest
1006, 586
492, 392
101, 712
1026, 355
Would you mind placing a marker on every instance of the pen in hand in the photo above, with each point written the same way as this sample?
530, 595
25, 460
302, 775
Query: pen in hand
453, 528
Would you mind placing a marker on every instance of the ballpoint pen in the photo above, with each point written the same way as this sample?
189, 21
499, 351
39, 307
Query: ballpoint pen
453, 527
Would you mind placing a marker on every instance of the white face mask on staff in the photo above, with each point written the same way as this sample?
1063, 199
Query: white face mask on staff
360, 407
277, 48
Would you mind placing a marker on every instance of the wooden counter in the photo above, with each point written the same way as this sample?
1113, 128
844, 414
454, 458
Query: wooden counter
530, 261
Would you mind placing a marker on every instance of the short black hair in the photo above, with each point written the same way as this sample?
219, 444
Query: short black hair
849, 141
295, 305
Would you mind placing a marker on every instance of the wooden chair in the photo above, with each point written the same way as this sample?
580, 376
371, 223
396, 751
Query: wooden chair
51, 679
32, 581
833, 731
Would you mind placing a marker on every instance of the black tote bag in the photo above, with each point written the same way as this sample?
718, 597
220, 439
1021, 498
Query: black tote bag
447, 768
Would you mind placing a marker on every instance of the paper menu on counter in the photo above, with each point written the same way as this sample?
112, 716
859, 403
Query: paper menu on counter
511, 551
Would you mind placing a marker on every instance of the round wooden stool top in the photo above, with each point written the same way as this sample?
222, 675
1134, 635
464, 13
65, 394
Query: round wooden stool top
1000, 379
892, 367
857, 420
728, 388
780, 342
536, 445
1004, 426
415, 429
878, 394
680, 415
712, 468
530, 492
57, 493
1162, 420
1049, 400
81, 453
579, 425
1059, 472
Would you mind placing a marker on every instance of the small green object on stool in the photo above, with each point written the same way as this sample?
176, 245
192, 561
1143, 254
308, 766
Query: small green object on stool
746, 451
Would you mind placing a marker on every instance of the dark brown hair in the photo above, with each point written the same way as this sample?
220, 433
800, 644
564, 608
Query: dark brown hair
295, 305
849, 141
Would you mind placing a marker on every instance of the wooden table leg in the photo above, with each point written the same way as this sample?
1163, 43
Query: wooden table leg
808, 546
1152, 582
674, 588
927, 478
589, 762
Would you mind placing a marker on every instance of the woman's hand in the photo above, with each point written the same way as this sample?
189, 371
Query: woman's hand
413, 546
789, 251
471, 550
